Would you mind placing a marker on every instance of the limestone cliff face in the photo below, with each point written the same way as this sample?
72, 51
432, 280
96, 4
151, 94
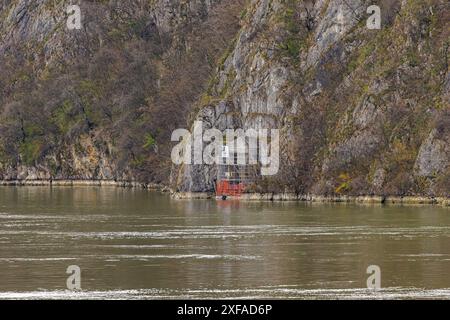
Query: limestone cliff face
360, 111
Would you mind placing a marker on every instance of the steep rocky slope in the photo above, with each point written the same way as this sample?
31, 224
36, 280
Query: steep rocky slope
101, 102
359, 111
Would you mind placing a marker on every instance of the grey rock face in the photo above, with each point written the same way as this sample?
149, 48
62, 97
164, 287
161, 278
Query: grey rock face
259, 80
253, 96
434, 156
28, 22
366, 114
170, 14
340, 16
335, 70
88, 163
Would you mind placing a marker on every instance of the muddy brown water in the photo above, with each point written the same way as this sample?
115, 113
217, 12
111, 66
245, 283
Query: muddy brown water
136, 244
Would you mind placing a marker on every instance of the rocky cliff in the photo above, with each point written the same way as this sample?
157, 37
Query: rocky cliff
360, 111
101, 102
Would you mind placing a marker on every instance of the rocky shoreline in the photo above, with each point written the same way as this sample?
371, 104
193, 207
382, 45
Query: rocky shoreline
324, 199
95, 183
278, 197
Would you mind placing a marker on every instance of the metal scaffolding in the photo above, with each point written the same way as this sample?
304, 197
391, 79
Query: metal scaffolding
233, 177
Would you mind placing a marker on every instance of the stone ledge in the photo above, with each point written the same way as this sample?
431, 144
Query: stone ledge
73, 183
321, 199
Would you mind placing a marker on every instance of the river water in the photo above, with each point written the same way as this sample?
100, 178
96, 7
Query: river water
136, 244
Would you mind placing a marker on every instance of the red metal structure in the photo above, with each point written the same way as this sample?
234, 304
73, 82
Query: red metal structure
233, 178
228, 188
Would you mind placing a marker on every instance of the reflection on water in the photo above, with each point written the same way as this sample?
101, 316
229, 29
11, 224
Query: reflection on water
134, 244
